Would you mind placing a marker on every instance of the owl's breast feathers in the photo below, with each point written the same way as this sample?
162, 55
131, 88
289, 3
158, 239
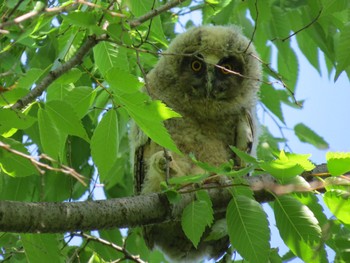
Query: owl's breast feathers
210, 140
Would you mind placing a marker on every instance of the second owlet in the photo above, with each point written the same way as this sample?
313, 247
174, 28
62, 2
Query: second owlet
210, 75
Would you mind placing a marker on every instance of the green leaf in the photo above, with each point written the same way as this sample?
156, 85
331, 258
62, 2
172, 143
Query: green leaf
299, 228
305, 134
28, 80
188, 179
288, 165
52, 138
122, 81
106, 57
13, 164
83, 19
65, 118
338, 202
81, 99
342, 51
11, 119
270, 97
105, 143
149, 116
218, 230
42, 248
288, 65
195, 218
247, 158
338, 163
140, 8
248, 229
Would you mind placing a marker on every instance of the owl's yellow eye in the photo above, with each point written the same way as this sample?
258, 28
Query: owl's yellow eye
225, 68
196, 65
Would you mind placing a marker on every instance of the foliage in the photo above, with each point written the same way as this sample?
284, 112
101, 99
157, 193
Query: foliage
79, 119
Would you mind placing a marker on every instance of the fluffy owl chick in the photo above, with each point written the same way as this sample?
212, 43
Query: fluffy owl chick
210, 76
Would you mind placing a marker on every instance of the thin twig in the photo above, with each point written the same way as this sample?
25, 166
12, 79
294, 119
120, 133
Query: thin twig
39, 165
127, 254
255, 26
278, 77
35, 13
301, 29
155, 12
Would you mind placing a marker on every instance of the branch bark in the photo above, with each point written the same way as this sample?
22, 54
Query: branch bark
129, 211
153, 13
54, 74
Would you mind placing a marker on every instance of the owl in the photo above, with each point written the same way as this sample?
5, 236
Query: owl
210, 75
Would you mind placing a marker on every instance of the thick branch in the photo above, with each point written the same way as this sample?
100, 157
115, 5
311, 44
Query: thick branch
153, 13
54, 74
90, 215
126, 212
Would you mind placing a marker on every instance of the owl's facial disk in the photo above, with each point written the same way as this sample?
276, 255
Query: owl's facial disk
210, 77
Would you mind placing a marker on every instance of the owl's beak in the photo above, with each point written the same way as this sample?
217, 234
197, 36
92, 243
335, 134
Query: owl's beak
211, 60
210, 81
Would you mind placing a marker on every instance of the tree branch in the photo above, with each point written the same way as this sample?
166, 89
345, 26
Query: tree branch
54, 74
153, 13
131, 211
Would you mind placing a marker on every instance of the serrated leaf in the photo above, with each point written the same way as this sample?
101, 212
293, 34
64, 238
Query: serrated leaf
51, 138
12, 119
248, 229
105, 143
338, 163
247, 158
149, 116
31, 76
342, 51
79, 18
288, 165
270, 97
338, 202
65, 118
81, 98
305, 134
12, 164
106, 57
195, 218
188, 179
218, 230
173, 196
299, 228
122, 81
42, 248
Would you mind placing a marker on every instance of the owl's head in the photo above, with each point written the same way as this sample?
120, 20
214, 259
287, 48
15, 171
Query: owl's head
207, 67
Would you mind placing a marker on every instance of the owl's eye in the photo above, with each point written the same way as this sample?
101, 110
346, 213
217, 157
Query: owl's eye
196, 65
226, 68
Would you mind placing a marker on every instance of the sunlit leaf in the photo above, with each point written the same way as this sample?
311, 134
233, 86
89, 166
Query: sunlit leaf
338, 163
288, 165
338, 202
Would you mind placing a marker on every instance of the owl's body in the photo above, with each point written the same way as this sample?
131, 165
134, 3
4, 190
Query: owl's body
209, 77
